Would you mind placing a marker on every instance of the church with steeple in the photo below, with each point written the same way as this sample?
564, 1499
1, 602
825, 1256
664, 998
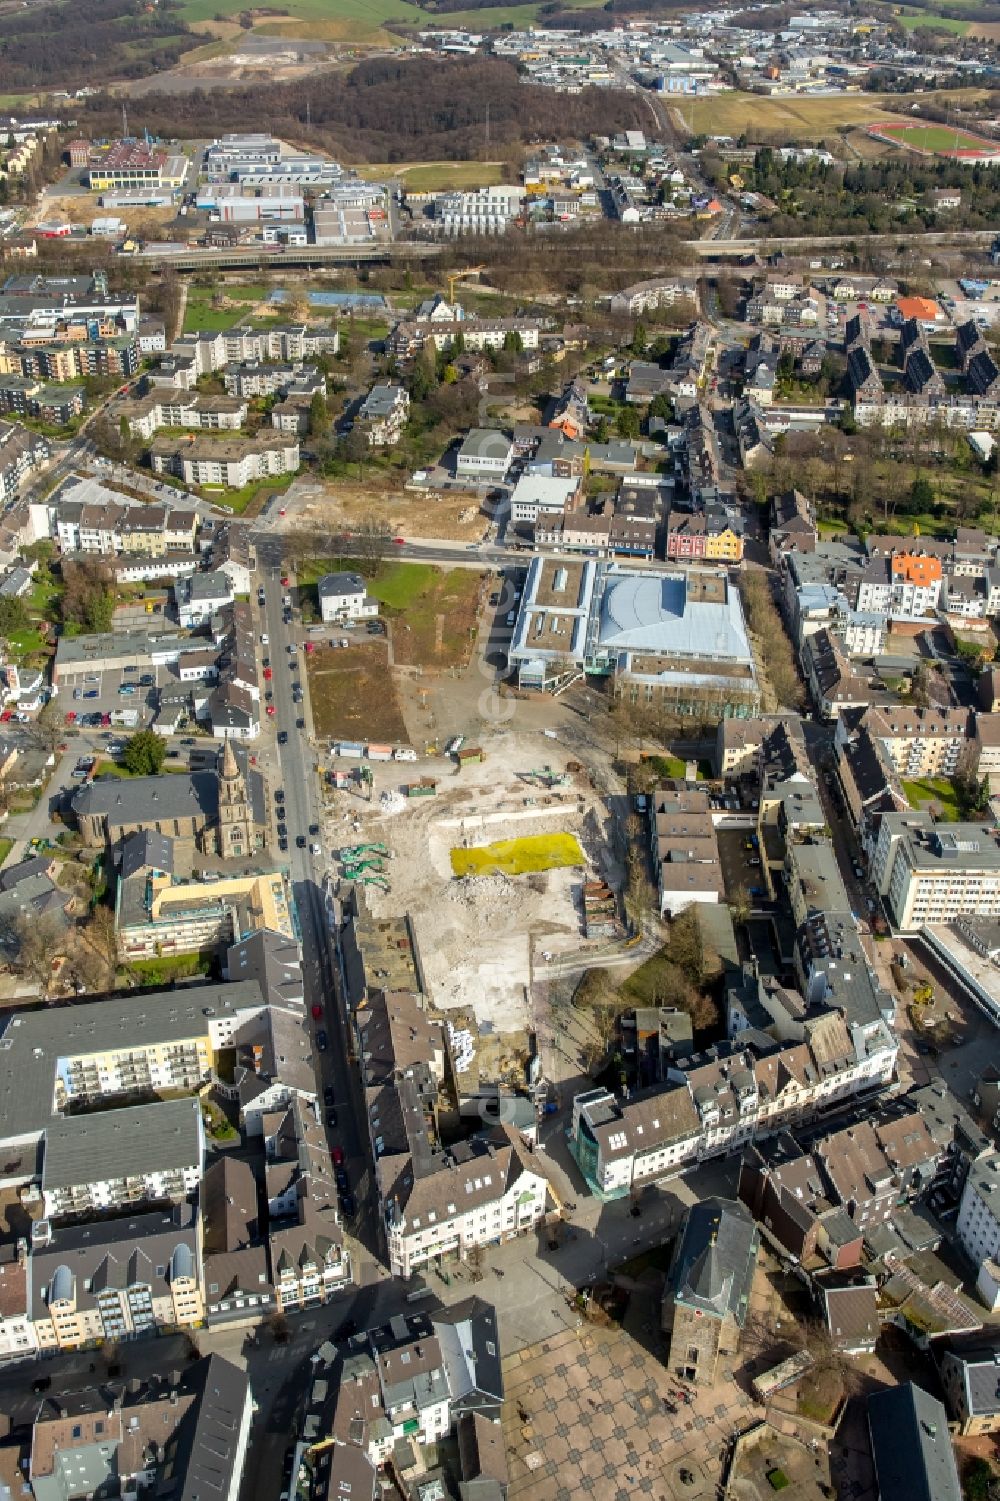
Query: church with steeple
222, 810
707, 1294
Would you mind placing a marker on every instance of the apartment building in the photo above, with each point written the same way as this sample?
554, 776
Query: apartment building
978, 1223
713, 535
115, 1159
721, 1100
437, 1203
972, 1388
96, 1051
209, 351
204, 413
913, 742
201, 596
250, 378
309, 1260
410, 336
230, 462
383, 414
905, 584
933, 873
181, 1431
111, 1280
21, 453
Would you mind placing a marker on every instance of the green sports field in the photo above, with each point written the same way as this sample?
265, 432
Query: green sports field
937, 140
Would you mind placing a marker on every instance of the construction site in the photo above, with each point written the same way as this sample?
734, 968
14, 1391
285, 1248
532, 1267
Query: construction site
494, 858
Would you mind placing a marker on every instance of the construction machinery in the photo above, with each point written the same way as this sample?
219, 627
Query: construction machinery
352, 870
379, 882
354, 852
461, 276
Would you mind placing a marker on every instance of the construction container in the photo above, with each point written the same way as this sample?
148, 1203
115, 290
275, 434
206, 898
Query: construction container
404, 753
380, 752
426, 787
351, 750
470, 755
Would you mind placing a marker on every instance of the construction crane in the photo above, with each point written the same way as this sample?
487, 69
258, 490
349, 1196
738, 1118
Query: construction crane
461, 276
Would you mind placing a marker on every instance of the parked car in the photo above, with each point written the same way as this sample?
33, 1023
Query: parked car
331, 1117
337, 1153
322, 1041
328, 1095
347, 1205
317, 1011
282, 737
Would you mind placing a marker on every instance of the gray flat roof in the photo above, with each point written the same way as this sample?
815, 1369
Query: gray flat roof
33, 1042
122, 1143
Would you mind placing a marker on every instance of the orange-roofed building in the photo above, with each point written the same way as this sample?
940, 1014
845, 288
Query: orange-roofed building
924, 309
916, 583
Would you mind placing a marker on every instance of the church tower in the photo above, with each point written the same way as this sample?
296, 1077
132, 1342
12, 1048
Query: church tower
235, 817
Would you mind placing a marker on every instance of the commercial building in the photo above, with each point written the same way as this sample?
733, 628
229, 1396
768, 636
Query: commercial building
932, 873
978, 1223
485, 456
675, 638
911, 1444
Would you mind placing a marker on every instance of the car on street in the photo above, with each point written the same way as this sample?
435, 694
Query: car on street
314, 829
300, 724
399, 541
317, 1011
337, 1153
300, 841
341, 1177
347, 1204
328, 1095
331, 1116
270, 709
264, 638
282, 737
322, 1041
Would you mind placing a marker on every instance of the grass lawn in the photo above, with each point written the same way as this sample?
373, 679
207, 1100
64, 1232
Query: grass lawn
175, 967
239, 501
362, 20
937, 790
519, 857
6, 845
200, 314
645, 984
353, 696
434, 613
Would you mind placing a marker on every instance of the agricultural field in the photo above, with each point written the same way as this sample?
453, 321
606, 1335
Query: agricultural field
362, 21
519, 857
935, 140
798, 118
352, 696
911, 21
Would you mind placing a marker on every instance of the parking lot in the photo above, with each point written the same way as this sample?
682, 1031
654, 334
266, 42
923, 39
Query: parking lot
93, 695
741, 864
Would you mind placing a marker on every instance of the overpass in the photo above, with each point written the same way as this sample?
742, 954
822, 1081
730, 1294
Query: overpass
277, 257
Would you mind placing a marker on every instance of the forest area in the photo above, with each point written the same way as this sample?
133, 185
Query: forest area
391, 110
89, 42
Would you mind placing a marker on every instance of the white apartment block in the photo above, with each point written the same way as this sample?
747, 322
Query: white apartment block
714, 1108
233, 463
978, 1223
933, 873
203, 413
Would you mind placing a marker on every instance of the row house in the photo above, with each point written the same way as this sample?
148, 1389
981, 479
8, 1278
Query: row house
713, 535
436, 1203
309, 1260
720, 1101
106, 1281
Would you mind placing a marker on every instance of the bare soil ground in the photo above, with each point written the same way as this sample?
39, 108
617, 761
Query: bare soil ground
479, 937
439, 629
454, 518
352, 694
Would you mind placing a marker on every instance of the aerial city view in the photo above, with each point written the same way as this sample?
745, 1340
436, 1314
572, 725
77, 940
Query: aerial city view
499, 751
